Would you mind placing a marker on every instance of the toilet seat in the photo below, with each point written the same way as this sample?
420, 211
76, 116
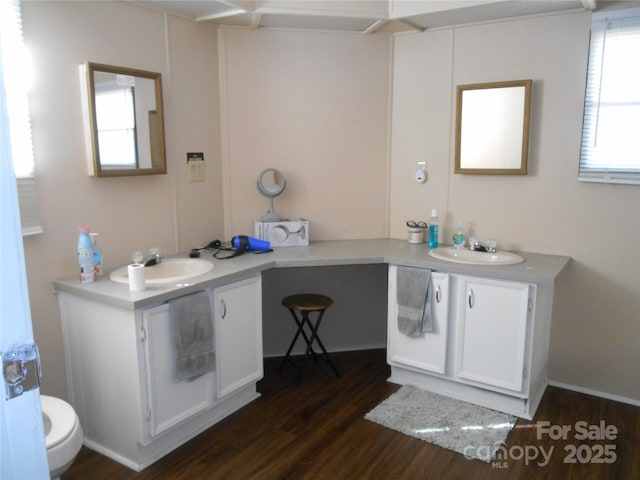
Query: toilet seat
62, 417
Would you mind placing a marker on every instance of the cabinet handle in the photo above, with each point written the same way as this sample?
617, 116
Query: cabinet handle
438, 294
470, 299
224, 307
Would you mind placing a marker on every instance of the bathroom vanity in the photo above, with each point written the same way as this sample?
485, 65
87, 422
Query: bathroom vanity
120, 370
489, 345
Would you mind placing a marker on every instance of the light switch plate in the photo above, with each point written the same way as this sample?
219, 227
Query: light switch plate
196, 170
195, 166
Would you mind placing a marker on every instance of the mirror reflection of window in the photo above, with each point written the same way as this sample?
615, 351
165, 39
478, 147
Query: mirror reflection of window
116, 122
124, 121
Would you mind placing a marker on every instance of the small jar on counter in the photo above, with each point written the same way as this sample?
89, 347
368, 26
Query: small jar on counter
416, 232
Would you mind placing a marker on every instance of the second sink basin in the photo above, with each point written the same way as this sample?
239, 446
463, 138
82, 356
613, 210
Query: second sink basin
171, 270
462, 255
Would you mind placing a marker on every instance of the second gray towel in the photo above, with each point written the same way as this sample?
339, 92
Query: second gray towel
414, 300
192, 335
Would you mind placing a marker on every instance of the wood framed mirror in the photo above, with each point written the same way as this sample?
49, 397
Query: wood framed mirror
492, 128
124, 120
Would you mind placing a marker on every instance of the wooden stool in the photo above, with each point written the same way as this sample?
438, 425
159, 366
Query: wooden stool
305, 303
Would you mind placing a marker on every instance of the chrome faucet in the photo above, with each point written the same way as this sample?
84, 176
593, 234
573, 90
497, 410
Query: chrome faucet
154, 257
476, 246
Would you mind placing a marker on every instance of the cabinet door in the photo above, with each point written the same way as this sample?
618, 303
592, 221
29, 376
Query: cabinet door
238, 321
428, 351
492, 332
168, 401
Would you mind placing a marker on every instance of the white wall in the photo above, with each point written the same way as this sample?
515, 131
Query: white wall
133, 213
596, 332
313, 105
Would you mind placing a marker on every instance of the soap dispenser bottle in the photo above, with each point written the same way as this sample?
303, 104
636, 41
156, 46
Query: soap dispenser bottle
458, 237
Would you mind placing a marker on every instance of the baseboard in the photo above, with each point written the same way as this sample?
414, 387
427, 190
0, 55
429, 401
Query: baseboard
595, 393
331, 350
107, 452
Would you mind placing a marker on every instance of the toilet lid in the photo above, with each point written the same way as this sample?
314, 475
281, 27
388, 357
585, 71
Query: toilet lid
63, 419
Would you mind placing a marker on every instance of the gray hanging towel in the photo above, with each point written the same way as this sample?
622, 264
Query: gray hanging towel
192, 335
413, 297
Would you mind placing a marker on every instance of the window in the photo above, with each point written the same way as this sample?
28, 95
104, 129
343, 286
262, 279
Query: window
610, 150
16, 73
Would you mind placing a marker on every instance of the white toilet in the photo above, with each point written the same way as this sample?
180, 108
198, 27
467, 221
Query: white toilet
63, 434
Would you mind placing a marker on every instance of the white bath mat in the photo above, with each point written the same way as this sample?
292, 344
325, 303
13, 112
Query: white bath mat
474, 431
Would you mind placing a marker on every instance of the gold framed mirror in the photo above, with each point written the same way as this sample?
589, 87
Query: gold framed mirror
492, 127
124, 121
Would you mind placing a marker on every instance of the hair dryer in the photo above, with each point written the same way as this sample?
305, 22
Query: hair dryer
243, 242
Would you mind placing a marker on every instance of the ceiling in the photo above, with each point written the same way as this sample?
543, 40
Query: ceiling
365, 16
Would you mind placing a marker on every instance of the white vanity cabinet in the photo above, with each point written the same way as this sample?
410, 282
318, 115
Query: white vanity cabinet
492, 331
166, 402
238, 326
490, 346
426, 352
120, 371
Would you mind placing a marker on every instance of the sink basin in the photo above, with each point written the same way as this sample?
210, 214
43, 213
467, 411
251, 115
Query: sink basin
171, 270
452, 254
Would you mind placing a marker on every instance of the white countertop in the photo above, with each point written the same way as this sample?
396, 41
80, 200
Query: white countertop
537, 268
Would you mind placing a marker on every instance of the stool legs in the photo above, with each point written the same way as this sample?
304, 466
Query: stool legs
314, 336
301, 323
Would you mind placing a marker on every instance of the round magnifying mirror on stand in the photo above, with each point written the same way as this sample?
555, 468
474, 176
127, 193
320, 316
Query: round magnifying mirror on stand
271, 183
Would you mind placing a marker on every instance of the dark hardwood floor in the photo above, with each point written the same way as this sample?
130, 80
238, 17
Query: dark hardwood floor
318, 431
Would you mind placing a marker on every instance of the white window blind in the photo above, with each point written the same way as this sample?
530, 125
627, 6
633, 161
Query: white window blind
16, 71
610, 149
